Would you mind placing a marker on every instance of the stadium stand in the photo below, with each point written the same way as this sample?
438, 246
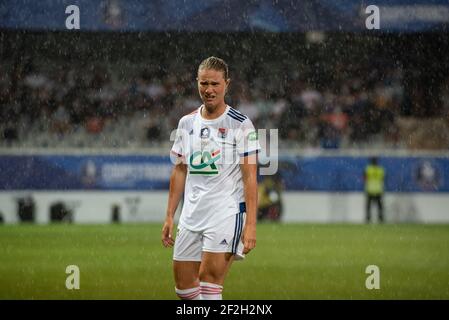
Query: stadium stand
109, 101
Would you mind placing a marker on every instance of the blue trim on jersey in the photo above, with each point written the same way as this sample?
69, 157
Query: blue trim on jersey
250, 153
175, 153
237, 112
235, 117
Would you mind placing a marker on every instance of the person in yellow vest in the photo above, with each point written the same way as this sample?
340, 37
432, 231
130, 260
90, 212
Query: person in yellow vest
270, 202
374, 188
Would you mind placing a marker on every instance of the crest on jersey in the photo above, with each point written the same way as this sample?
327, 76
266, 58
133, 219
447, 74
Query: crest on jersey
203, 162
222, 132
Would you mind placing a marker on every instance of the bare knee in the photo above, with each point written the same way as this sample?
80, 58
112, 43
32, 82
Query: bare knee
211, 276
186, 282
214, 267
186, 274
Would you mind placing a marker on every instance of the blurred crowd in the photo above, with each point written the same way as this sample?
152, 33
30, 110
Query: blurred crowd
95, 105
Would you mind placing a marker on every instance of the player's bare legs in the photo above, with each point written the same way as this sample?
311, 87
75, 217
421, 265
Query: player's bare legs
186, 274
186, 279
213, 271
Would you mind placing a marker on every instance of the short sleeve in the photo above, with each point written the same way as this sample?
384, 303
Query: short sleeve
247, 139
177, 148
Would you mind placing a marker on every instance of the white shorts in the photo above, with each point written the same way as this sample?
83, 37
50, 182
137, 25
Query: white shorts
225, 237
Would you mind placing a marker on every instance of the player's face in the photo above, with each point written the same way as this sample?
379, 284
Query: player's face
212, 88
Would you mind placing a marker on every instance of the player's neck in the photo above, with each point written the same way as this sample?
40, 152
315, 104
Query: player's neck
213, 114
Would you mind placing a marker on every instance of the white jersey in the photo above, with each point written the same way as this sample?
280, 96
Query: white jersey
211, 149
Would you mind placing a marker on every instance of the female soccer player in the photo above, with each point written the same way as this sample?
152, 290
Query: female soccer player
215, 154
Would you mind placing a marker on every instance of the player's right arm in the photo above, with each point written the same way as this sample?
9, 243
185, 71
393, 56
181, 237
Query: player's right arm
177, 183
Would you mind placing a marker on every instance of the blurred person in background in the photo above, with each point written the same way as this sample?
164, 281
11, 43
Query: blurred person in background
270, 201
374, 177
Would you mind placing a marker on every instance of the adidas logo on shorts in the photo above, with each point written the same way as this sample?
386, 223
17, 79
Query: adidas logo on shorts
224, 242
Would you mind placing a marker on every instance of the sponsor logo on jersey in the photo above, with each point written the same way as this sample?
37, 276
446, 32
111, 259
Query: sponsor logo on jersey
203, 162
252, 136
204, 133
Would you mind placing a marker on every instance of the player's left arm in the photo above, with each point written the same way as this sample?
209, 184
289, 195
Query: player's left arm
248, 166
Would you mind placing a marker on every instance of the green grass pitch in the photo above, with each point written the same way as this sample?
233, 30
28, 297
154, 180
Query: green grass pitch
291, 261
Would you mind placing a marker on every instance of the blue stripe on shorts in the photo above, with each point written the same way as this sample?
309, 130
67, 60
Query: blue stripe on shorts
238, 227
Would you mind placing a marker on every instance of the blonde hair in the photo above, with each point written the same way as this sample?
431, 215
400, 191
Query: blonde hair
215, 63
